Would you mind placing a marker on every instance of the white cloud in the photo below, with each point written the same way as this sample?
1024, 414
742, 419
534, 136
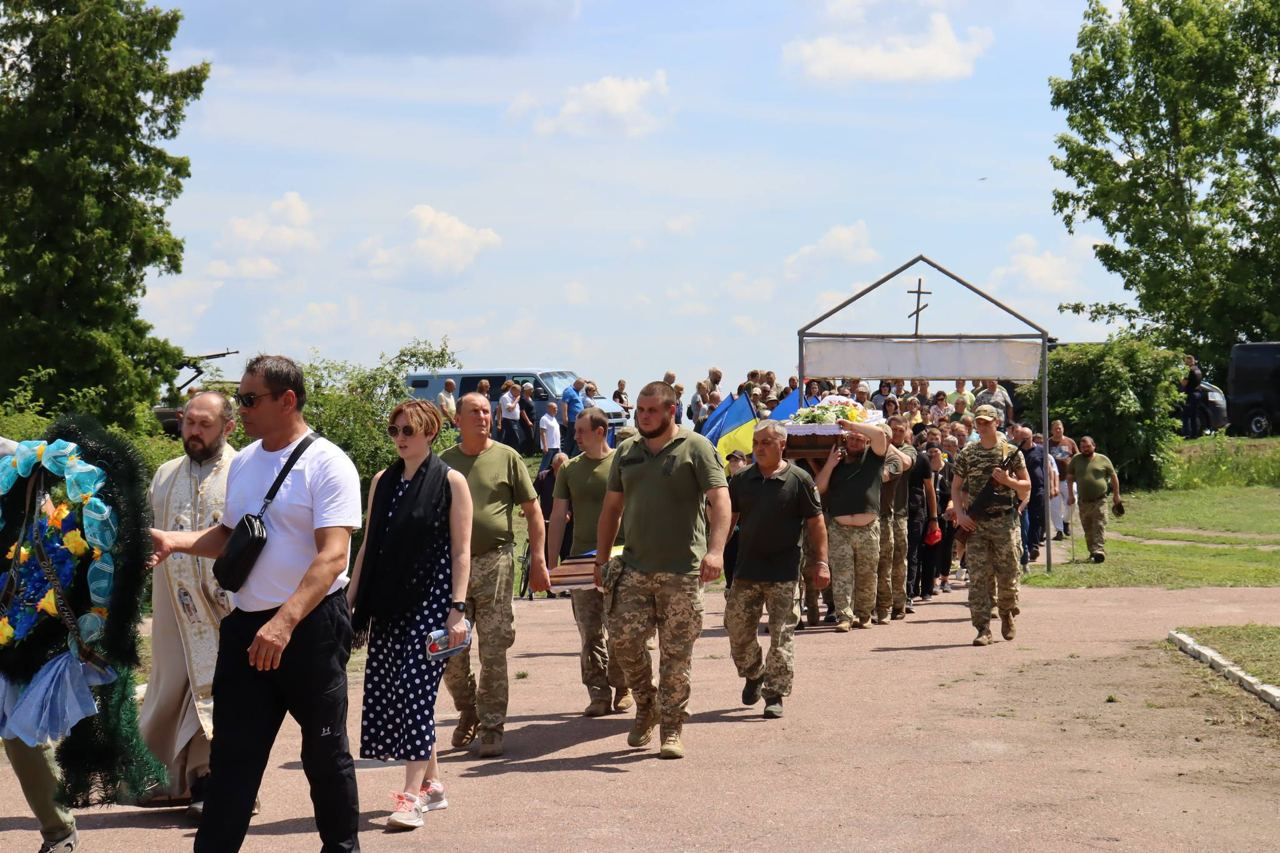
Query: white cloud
576, 293
174, 306
745, 323
609, 105
521, 105
828, 299
683, 225
281, 228
937, 54
256, 268
849, 11
444, 245
686, 301
1044, 271
738, 286
846, 243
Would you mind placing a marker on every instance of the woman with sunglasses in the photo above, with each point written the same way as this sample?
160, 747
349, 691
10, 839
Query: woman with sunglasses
410, 579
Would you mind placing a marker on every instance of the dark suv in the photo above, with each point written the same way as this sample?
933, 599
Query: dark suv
1253, 388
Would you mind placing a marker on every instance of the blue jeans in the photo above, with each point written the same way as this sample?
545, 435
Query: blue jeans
547, 457
1024, 519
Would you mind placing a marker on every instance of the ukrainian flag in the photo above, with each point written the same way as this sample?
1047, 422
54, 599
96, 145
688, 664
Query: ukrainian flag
734, 429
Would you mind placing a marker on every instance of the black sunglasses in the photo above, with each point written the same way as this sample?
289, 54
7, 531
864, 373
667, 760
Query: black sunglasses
406, 430
248, 401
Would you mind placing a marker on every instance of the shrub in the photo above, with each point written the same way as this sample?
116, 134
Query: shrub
1223, 461
1123, 393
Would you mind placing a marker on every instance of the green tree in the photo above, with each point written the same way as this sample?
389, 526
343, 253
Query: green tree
1123, 393
349, 403
1172, 148
86, 95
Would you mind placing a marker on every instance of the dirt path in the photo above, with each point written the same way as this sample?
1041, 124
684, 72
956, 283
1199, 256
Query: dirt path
903, 737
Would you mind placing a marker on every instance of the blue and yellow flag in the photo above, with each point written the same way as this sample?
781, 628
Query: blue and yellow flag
734, 429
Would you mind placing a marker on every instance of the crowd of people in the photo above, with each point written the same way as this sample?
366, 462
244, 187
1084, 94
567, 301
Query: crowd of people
883, 521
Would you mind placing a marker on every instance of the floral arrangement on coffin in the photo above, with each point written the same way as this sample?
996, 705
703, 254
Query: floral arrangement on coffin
73, 529
821, 419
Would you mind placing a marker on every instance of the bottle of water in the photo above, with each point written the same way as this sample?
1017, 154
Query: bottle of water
437, 648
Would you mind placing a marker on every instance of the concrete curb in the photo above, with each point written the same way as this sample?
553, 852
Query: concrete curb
1268, 693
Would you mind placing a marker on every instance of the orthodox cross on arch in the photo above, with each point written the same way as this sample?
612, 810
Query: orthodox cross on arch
918, 293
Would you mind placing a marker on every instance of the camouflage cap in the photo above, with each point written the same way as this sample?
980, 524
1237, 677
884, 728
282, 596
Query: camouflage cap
987, 413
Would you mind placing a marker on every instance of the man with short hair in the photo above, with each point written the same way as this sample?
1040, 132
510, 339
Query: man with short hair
446, 402
895, 544
961, 409
670, 378
714, 377
284, 648
1033, 458
571, 402
992, 547
960, 394
773, 503
187, 493
499, 482
667, 486
510, 406
1061, 448
850, 481
1090, 475
995, 395
548, 436
862, 394
580, 489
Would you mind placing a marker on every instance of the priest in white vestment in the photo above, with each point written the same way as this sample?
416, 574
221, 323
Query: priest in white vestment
187, 493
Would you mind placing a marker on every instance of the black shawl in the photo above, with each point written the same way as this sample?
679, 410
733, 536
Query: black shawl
395, 547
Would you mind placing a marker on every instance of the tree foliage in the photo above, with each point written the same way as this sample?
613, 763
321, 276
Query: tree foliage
1172, 108
1124, 394
86, 96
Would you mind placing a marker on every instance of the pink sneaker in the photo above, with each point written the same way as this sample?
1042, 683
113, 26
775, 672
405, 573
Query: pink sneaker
407, 813
432, 796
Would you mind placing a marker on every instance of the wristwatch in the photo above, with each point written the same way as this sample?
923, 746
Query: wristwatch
460, 606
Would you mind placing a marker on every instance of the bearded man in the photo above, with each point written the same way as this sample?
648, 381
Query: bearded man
187, 493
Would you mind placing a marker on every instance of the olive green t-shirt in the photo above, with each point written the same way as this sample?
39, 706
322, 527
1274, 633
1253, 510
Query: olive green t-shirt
583, 482
1091, 474
903, 486
498, 482
665, 501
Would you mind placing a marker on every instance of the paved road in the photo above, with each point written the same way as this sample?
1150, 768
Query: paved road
901, 737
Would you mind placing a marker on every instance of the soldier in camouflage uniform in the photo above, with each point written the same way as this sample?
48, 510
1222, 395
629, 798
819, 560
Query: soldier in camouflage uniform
994, 537
772, 501
850, 483
499, 482
901, 512
667, 487
886, 589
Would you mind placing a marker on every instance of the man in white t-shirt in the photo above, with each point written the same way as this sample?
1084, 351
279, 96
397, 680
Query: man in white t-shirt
510, 404
284, 649
549, 436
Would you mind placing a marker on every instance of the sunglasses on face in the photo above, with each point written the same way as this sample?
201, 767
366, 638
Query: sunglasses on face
406, 430
248, 401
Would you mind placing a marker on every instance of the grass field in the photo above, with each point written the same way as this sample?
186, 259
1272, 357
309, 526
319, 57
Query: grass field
1254, 648
1246, 520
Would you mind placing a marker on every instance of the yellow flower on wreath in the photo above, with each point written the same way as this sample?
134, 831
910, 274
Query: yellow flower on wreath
75, 543
26, 553
6, 631
48, 604
59, 512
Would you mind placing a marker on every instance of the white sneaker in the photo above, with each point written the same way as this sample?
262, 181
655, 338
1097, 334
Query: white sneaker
407, 813
432, 796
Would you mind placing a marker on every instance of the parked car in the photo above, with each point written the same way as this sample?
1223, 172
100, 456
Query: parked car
1213, 407
548, 385
1253, 387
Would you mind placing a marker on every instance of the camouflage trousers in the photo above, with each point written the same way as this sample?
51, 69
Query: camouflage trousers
743, 603
672, 604
855, 555
992, 557
898, 578
1093, 518
489, 609
891, 586
600, 669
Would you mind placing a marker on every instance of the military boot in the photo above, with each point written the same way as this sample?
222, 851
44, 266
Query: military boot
646, 719
672, 746
600, 705
490, 744
984, 637
622, 700
465, 732
1006, 626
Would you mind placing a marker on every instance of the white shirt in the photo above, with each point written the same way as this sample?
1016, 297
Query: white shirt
551, 430
321, 490
510, 406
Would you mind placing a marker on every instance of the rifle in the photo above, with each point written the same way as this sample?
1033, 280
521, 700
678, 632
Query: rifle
984, 498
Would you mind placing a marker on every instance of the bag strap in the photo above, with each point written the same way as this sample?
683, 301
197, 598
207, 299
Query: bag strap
284, 472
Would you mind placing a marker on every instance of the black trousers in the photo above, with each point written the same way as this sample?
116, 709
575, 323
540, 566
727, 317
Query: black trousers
915, 540
248, 708
1035, 520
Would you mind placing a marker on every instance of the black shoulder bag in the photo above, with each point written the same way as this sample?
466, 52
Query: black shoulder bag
249, 537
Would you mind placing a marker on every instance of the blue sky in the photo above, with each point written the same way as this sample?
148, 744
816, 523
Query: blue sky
616, 188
